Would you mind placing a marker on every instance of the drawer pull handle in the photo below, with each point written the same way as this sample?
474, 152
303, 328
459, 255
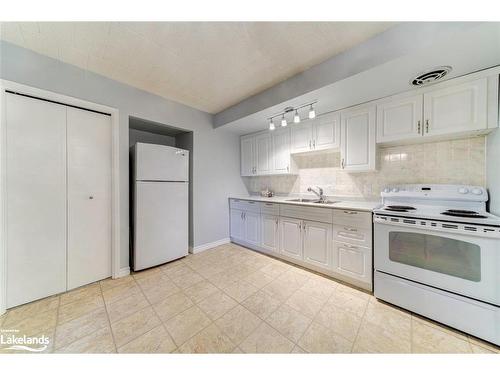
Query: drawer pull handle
269, 204
351, 212
350, 229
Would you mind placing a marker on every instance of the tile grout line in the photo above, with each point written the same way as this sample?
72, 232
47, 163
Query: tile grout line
109, 321
312, 321
88, 334
57, 322
363, 317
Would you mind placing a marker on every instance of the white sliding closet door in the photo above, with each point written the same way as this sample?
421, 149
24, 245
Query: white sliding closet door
89, 196
36, 199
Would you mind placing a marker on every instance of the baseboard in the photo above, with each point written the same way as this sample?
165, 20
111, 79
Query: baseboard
206, 246
125, 271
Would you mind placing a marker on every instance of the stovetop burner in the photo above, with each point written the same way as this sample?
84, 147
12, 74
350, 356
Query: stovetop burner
464, 213
398, 208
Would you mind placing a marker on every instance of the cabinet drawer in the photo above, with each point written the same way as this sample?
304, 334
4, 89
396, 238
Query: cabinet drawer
352, 261
352, 218
269, 208
353, 235
240, 204
323, 215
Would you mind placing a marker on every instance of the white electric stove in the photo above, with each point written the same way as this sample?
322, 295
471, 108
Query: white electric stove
437, 253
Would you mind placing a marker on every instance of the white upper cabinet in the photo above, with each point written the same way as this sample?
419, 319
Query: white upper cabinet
266, 153
399, 119
248, 156
263, 154
326, 132
280, 145
302, 135
358, 148
456, 109
439, 112
322, 133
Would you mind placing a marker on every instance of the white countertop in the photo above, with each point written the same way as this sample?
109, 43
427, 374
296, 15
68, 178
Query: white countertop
340, 202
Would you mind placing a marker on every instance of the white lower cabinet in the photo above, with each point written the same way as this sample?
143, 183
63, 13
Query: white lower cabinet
318, 244
270, 233
342, 250
353, 261
245, 226
252, 227
237, 225
291, 237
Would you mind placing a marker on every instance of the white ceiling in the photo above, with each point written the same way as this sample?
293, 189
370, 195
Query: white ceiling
206, 65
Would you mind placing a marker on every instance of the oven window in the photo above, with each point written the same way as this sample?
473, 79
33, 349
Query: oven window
435, 253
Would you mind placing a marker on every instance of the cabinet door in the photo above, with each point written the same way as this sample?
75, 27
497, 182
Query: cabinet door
302, 135
270, 232
456, 109
263, 157
352, 261
281, 151
357, 149
318, 244
89, 197
36, 199
252, 227
247, 156
327, 132
291, 237
399, 119
237, 225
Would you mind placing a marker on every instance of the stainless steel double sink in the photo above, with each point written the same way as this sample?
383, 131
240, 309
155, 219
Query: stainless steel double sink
317, 201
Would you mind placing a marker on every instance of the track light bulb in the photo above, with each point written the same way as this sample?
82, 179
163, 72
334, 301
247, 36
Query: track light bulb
271, 125
296, 118
283, 121
312, 113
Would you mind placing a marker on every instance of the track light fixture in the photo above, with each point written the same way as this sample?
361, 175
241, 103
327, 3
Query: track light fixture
296, 116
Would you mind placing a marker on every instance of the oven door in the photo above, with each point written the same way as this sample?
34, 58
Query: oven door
457, 262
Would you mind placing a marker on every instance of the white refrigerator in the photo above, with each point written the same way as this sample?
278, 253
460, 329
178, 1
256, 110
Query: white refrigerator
160, 179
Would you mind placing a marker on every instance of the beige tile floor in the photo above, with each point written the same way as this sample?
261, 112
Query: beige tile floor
230, 300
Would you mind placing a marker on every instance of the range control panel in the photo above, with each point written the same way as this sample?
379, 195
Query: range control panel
438, 192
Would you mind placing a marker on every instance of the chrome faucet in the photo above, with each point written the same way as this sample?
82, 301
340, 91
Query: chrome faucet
319, 193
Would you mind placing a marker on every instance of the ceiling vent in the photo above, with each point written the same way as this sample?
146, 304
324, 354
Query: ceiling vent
430, 76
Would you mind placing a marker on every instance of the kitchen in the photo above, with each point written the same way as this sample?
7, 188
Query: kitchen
349, 212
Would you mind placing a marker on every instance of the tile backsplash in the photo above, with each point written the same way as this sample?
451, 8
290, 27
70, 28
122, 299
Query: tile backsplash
459, 161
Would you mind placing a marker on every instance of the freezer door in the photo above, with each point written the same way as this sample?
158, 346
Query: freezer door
160, 223
161, 163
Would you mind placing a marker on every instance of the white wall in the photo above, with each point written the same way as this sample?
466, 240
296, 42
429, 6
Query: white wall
135, 136
216, 152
